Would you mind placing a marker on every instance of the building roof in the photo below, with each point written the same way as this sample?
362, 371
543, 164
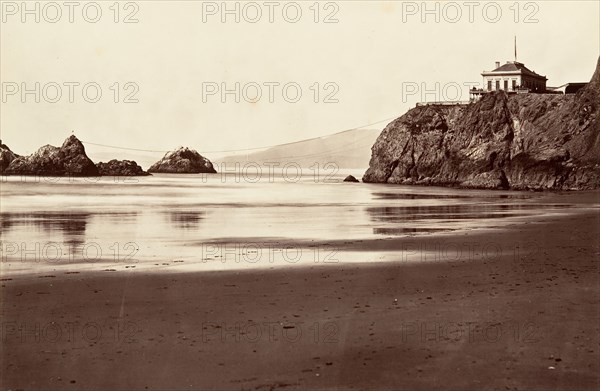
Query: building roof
569, 86
576, 84
514, 67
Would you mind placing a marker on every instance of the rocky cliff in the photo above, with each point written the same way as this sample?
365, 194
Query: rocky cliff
183, 161
523, 141
69, 159
6, 157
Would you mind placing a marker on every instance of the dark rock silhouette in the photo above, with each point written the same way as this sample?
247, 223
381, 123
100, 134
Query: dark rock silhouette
522, 141
183, 161
70, 159
6, 157
120, 168
351, 178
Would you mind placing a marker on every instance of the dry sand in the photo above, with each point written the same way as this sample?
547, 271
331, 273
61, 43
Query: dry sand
493, 321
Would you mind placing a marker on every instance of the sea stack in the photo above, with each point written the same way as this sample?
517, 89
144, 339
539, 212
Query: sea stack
68, 160
6, 157
183, 161
120, 168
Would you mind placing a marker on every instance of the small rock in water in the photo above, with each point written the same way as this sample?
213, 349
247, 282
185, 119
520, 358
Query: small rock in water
351, 178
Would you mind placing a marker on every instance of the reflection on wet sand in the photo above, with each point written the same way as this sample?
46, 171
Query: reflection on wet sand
67, 228
407, 231
187, 220
165, 219
71, 225
425, 196
442, 214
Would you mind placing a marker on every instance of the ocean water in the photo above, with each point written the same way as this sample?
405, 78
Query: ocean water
231, 221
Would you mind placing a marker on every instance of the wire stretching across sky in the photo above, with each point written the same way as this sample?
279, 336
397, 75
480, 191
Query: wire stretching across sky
239, 150
349, 146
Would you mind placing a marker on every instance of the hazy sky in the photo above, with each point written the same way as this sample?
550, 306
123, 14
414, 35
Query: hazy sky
377, 58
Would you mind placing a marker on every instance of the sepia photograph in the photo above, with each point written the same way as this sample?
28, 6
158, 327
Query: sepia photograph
299, 195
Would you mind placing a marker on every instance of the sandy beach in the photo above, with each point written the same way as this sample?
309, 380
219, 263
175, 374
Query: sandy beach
299, 196
520, 312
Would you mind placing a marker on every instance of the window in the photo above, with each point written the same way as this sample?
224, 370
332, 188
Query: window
489, 85
497, 85
514, 84
505, 85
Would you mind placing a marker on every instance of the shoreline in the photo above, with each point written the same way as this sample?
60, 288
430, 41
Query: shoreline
443, 246
481, 323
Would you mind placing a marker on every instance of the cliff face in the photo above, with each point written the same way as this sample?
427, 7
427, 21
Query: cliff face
183, 161
526, 141
69, 159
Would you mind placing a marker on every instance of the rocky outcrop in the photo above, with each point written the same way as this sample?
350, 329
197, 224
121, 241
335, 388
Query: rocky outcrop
183, 161
523, 141
120, 168
350, 178
6, 157
70, 159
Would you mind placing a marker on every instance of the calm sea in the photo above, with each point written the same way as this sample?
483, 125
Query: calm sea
231, 221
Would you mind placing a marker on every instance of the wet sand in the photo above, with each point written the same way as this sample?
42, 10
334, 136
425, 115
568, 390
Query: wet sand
524, 318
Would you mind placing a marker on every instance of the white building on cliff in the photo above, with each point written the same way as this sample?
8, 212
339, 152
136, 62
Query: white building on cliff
513, 77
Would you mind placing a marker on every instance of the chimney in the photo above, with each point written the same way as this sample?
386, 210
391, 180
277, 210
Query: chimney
497, 64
